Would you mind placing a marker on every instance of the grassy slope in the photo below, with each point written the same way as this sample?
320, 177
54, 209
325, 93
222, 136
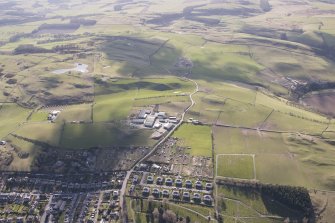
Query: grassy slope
196, 137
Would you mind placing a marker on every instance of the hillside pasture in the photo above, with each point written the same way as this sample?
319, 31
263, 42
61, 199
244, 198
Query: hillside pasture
11, 116
235, 166
296, 158
198, 138
77, 136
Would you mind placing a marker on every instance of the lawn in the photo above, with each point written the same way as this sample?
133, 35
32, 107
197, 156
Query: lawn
198, 138
235, 166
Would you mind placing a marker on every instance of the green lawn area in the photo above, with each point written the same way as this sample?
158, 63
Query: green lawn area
196, 137
235, 166
76, 136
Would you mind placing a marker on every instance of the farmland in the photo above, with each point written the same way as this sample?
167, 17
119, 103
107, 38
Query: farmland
212, 90
198, 139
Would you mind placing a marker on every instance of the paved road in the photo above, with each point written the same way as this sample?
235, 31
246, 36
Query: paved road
124, 185
46, 209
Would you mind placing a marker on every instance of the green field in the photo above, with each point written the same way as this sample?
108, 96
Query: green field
11, 116
297, 159
78, 136
235, 166
198, 138
44, 132
243, 202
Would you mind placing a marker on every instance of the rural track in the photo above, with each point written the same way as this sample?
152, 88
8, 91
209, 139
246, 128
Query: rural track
125, 181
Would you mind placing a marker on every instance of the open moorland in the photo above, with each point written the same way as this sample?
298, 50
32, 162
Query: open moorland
236, 91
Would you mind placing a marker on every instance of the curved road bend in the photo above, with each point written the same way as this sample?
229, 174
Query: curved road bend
124, 184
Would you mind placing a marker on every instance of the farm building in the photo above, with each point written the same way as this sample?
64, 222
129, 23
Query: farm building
137, 121
161, 115
168, 126
150, 121
142, 114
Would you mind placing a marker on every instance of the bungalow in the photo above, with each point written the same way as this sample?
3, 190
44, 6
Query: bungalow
209, 186
198, 185
179, 183
168, 182
146, 191
156, 192
150, 179
166, 193
208, 199
196, 198
176, 195
188, 184
159, 181
186, 196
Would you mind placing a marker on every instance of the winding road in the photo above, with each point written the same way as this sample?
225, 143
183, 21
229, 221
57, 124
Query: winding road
125, 181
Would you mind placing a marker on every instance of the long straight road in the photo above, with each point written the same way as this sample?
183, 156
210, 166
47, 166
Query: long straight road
125, 181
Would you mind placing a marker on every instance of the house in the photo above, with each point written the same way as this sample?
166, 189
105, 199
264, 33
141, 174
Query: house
146, 191
179, 183
188, 184
135, 179
115, 194
196, 198
159, 181
150, 121
208, 199
156, 192
150, 179
166, 193
209, 186
176, 195
186, 196
168, 182
198, 185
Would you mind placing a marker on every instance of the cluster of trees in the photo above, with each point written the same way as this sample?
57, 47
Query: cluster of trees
66, 48
30, 49
303, 89
294, 197
84, 22
66, 26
